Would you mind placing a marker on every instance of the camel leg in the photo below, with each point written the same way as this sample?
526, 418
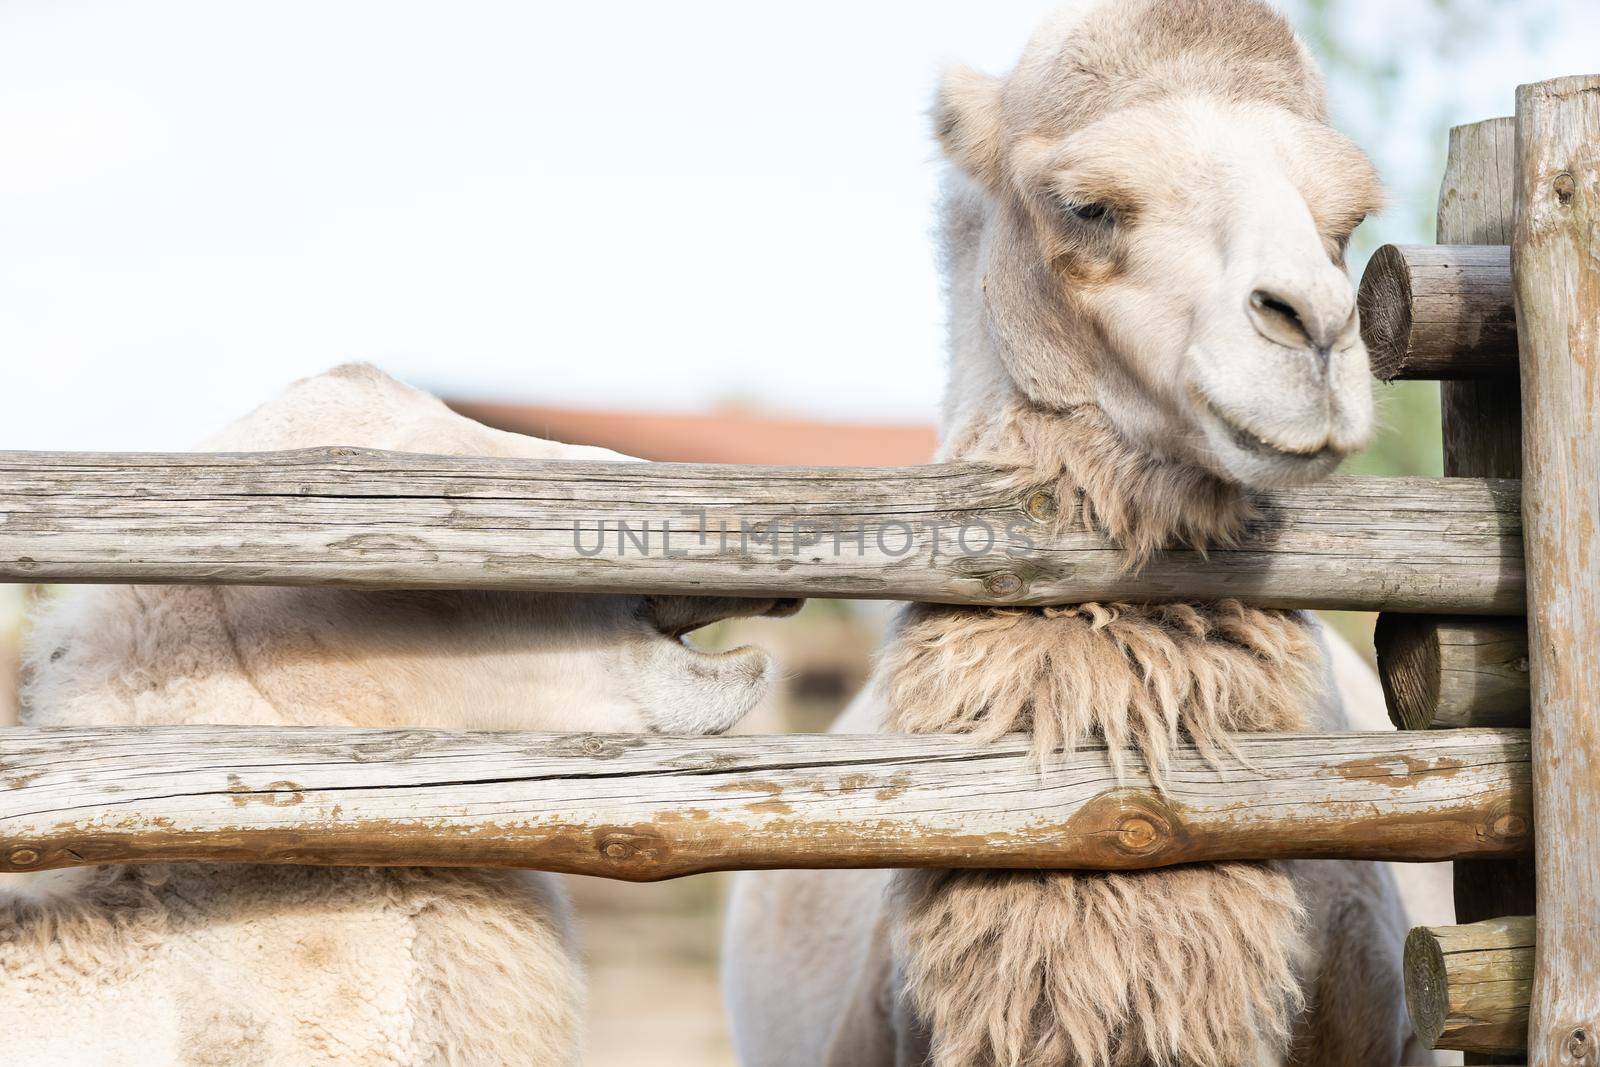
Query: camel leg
878, 1025
1355, 1006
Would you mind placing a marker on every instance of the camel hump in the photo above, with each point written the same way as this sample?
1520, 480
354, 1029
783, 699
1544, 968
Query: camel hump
358, 405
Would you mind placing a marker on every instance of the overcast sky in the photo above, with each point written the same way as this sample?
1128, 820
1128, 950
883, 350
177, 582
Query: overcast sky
622, 204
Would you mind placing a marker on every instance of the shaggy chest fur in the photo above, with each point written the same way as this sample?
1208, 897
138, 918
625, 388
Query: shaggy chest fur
1199, 966
1132, 675
1184, 966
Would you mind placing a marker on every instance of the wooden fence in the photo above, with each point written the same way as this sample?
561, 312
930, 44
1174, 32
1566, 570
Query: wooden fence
358, 518
1511, 295
646, 807
1511, 298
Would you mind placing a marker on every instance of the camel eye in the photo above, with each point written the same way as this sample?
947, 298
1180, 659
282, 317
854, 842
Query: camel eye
1094, 213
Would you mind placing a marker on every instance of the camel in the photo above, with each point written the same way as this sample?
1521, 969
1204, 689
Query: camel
191, 964
1143, 238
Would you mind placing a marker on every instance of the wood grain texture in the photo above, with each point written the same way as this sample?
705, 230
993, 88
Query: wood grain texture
1556, 260
1467, 987
1439, 312
1453, 671
1482, 420
1482, 427
644, 807
369, 519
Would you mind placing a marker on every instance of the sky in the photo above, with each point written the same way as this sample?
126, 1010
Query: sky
622, 205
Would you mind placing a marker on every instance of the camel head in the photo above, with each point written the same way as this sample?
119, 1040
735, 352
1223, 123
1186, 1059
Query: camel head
681, 688
436, 659
1156, 219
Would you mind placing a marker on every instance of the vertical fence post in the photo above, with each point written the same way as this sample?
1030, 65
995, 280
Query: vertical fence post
1482, 424
1556, 265
1481, 420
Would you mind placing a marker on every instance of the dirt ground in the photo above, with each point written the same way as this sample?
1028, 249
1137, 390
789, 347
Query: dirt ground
652, 954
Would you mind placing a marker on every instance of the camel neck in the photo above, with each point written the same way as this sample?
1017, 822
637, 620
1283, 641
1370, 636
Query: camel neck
1141, 501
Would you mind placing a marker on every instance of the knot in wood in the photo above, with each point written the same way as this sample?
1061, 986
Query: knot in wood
1003, 584
627, 846
1041, 506
1579, 1046
1129, 828
392, 746
1137, 833
23, 857
1564, 187
1509, 826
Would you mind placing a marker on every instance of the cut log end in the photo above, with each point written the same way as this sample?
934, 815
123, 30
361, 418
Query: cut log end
1427, 986
1384, 299
1468, 987
1439, 311
1446, 672
1409, 668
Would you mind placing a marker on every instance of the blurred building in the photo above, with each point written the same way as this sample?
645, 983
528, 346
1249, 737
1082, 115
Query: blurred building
730, 435
825, 653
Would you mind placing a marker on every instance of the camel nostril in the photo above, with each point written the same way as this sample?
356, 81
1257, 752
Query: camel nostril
1277, 319
1266, 301
1314, 320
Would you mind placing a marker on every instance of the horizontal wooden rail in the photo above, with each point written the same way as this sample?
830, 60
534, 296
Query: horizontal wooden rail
1446, 672
948, 533
1468, 987
1439, 311
646, 807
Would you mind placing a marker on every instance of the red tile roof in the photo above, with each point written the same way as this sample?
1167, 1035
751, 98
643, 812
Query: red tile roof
732, 436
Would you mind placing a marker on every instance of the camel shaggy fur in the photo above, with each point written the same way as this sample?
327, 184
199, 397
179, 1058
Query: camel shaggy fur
200, 965
1143, 236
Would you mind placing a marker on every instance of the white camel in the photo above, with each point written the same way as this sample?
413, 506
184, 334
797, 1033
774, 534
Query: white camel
1144, 235
300, 966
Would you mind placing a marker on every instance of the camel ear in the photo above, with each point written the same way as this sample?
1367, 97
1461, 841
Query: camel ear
967, 121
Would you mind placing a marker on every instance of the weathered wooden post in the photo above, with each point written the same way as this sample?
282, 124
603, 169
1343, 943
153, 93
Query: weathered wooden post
1448, 672
1481, 417
1448, 313
1467, 986
1556, 267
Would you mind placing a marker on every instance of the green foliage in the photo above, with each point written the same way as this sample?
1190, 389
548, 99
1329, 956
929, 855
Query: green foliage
1408, 440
